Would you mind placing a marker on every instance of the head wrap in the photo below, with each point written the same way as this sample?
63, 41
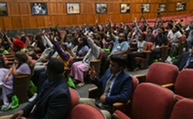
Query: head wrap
18, 43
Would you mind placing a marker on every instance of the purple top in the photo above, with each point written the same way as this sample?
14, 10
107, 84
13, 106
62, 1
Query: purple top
62, 53
83, 49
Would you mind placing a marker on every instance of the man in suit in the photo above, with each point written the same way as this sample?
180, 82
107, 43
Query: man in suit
185, 60
115, 84
189, 34
53, 100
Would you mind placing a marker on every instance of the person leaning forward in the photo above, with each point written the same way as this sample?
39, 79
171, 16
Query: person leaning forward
53, 101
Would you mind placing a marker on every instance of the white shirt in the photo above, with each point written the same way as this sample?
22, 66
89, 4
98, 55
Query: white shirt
174, 36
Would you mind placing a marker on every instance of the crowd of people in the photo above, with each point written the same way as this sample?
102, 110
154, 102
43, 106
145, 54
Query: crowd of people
70, 51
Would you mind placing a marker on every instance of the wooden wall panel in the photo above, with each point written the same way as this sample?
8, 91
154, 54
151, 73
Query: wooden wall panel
25, 22
33, 22
60, 8
52, 7
47, 21
24, 9
19, 12
7, 23
40, 21
16, 22
1, 24
14, 9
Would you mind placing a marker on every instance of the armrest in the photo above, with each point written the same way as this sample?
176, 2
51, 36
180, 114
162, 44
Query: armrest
6, 117
140, 77
169, 86
125, 55
132, 49
10, 58
79, 59
94, 92
22, 76
119, 115
146, 51
164, 46
92, 89
120, 104
95, 61
8, 55
66, 69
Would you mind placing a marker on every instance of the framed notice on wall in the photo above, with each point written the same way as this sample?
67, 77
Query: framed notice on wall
3, 9
125, 7
162, 7
39, 8
145, 7
181, 6
73, 8
101, 8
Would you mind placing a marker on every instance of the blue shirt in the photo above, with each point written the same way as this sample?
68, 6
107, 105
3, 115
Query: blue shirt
190, 59
123, 46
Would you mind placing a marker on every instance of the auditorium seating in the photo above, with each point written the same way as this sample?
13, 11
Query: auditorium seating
183, 109
85, 111
8, 60
74, 101
159, 73
150, 101
183, 87
20, 87
144, 61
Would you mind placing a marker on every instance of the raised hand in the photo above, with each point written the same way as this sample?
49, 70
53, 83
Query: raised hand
92, 72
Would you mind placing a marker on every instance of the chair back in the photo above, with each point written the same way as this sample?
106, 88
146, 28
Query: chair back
74, 98
135, 83
183, 109
151, 101
20, 87
162, 73
184, 83
74, 101
85, 111
149, 45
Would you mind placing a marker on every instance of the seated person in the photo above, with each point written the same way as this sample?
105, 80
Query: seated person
39, 45
175, 38
141, 46
58, 52
82, 49
78, 68
120, 47
149, 36
115, 84
185, 60
107, 43
53, 101
20, 67
160, 40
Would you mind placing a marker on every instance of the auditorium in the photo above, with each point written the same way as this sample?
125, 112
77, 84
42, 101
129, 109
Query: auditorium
96, 59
